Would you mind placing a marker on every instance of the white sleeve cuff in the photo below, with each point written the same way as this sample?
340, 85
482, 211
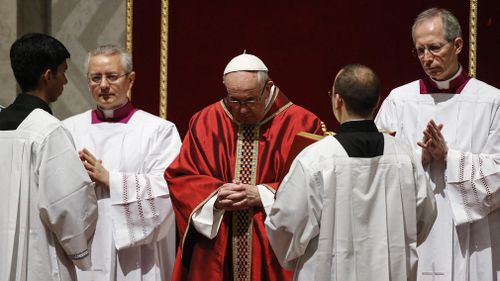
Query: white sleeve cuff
266, 197
207, 219
453, 163
116, 187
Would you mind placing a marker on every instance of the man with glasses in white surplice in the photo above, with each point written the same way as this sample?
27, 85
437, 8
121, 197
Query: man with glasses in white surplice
453, 122
125, 151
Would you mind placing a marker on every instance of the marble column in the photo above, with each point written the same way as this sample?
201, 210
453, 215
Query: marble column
82, 26
8, 31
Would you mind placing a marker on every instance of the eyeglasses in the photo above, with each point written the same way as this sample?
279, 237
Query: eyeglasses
111, 78
331, 93
233, 102
434, 49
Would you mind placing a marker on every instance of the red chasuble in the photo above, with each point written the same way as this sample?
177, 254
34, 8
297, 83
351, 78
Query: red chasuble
215, 151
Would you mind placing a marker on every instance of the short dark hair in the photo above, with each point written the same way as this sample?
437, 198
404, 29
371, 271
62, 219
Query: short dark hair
32, 54
359, 87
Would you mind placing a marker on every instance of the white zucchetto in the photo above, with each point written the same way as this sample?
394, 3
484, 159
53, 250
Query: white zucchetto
245, 62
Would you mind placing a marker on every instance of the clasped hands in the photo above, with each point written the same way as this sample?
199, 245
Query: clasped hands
237, 196
433, 144
94, 167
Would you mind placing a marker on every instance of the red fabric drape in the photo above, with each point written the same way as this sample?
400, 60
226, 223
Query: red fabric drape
303, 43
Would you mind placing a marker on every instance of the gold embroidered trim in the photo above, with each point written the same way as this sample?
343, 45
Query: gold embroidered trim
276, 113
246, 172
249, 134
227, 111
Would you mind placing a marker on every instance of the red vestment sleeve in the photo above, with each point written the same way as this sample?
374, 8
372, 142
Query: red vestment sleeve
190, 179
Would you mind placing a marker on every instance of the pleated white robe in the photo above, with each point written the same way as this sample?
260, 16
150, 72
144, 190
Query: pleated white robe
346, 219
48, 207
464, 244
135, 235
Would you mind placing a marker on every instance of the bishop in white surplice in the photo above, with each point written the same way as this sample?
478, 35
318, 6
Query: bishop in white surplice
135, 235
464, 243
465, 240
126, 151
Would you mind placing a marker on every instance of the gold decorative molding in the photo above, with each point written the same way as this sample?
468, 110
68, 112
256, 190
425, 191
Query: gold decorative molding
473, 38
128, 32
164, 59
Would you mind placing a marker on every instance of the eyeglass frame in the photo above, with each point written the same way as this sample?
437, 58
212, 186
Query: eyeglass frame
106, 76
246, 102
331, 93
435, 52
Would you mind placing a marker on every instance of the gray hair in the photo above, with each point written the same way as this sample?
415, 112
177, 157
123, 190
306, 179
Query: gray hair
110, 50
262, 76
451, 25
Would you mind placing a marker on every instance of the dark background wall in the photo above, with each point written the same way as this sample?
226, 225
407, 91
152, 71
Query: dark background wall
303, 43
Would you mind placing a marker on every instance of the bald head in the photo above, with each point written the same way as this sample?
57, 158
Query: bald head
359, 87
